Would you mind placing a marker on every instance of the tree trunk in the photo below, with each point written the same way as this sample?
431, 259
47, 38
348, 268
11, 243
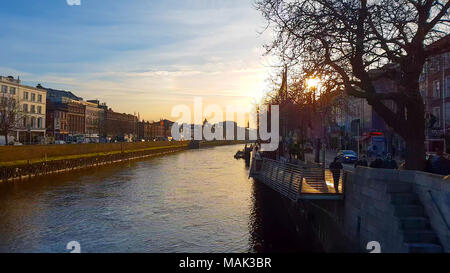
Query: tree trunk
415, 140
415, 154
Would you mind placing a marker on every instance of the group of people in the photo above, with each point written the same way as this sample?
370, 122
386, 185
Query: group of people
438, 164
387, 163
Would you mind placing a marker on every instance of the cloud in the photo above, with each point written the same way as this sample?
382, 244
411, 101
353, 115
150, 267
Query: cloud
142, 56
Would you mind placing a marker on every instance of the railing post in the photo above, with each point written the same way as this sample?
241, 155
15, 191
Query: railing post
300, 186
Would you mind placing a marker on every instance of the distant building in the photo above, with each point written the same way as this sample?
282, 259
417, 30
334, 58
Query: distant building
119, 126
60, 96
93, 120
76, 118
32, 103
435, 89
143, 130
57, 121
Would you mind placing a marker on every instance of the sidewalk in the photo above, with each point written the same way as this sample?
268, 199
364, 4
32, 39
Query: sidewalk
330, 155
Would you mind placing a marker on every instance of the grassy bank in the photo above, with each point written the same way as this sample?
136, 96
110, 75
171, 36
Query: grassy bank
21, 155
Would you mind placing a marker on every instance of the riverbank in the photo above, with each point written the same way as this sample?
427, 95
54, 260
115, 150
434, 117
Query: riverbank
20, 162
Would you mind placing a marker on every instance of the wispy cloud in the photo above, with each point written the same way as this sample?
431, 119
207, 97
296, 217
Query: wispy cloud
139, 56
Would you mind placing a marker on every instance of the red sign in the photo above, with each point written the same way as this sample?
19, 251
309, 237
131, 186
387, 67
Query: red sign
376, 134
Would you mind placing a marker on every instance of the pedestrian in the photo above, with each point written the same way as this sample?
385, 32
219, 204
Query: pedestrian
335, 168
440, 164
362, 162
390, 163
377, 163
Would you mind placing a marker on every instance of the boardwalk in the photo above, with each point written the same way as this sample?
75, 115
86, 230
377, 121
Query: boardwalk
302, 181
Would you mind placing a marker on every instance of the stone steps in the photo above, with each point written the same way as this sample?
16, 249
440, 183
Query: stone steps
423, 248
420, 236
399, 188
409, 211
414, 225
404, 199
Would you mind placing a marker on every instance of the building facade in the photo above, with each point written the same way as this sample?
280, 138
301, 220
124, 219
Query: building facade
32, 106
435, 90
119, 126
57, 121
93, 119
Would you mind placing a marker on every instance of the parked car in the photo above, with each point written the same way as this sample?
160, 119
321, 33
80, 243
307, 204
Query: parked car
347, 156
60, 142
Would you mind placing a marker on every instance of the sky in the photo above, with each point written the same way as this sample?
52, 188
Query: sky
139, 56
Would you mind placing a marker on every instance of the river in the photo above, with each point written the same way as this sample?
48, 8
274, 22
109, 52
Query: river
192, 201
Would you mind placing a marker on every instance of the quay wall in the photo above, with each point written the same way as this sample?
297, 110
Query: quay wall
22, 162
14, 154
367, 213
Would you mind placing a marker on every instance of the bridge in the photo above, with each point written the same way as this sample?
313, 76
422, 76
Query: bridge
298, 181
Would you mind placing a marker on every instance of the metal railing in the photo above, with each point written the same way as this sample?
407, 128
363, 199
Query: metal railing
293, 181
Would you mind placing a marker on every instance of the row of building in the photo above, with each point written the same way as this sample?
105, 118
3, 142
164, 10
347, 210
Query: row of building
51, 115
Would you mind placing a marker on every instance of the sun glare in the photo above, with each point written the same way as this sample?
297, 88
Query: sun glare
313, 82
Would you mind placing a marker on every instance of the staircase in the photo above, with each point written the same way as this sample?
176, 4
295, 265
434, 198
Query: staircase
418, 237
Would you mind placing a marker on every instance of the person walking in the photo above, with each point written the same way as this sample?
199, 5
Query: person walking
362, 162
390, 163
335, 168
377, 163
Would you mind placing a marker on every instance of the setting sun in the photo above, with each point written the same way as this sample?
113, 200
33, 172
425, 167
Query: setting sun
312, 82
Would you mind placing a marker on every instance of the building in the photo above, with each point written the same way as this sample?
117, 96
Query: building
144, 130
32, 103
119, 126
157, 130
435, 90
93, 120
60, 96
57, 121
76, 119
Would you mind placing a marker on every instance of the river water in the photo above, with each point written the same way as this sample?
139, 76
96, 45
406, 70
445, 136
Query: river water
191, 201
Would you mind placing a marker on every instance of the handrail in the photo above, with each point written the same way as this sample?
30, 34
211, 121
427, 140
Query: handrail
439, 209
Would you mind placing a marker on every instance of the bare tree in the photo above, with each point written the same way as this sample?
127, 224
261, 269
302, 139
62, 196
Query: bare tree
348, 39
11, 115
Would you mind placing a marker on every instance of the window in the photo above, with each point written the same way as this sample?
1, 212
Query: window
436, 90
447, 113
25, 95
4, 89
33, 109
39, 125
33, 122
12, 90
447, 60
25, 108
447, 91
437, 114
39, 109
33, 97
39, 98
